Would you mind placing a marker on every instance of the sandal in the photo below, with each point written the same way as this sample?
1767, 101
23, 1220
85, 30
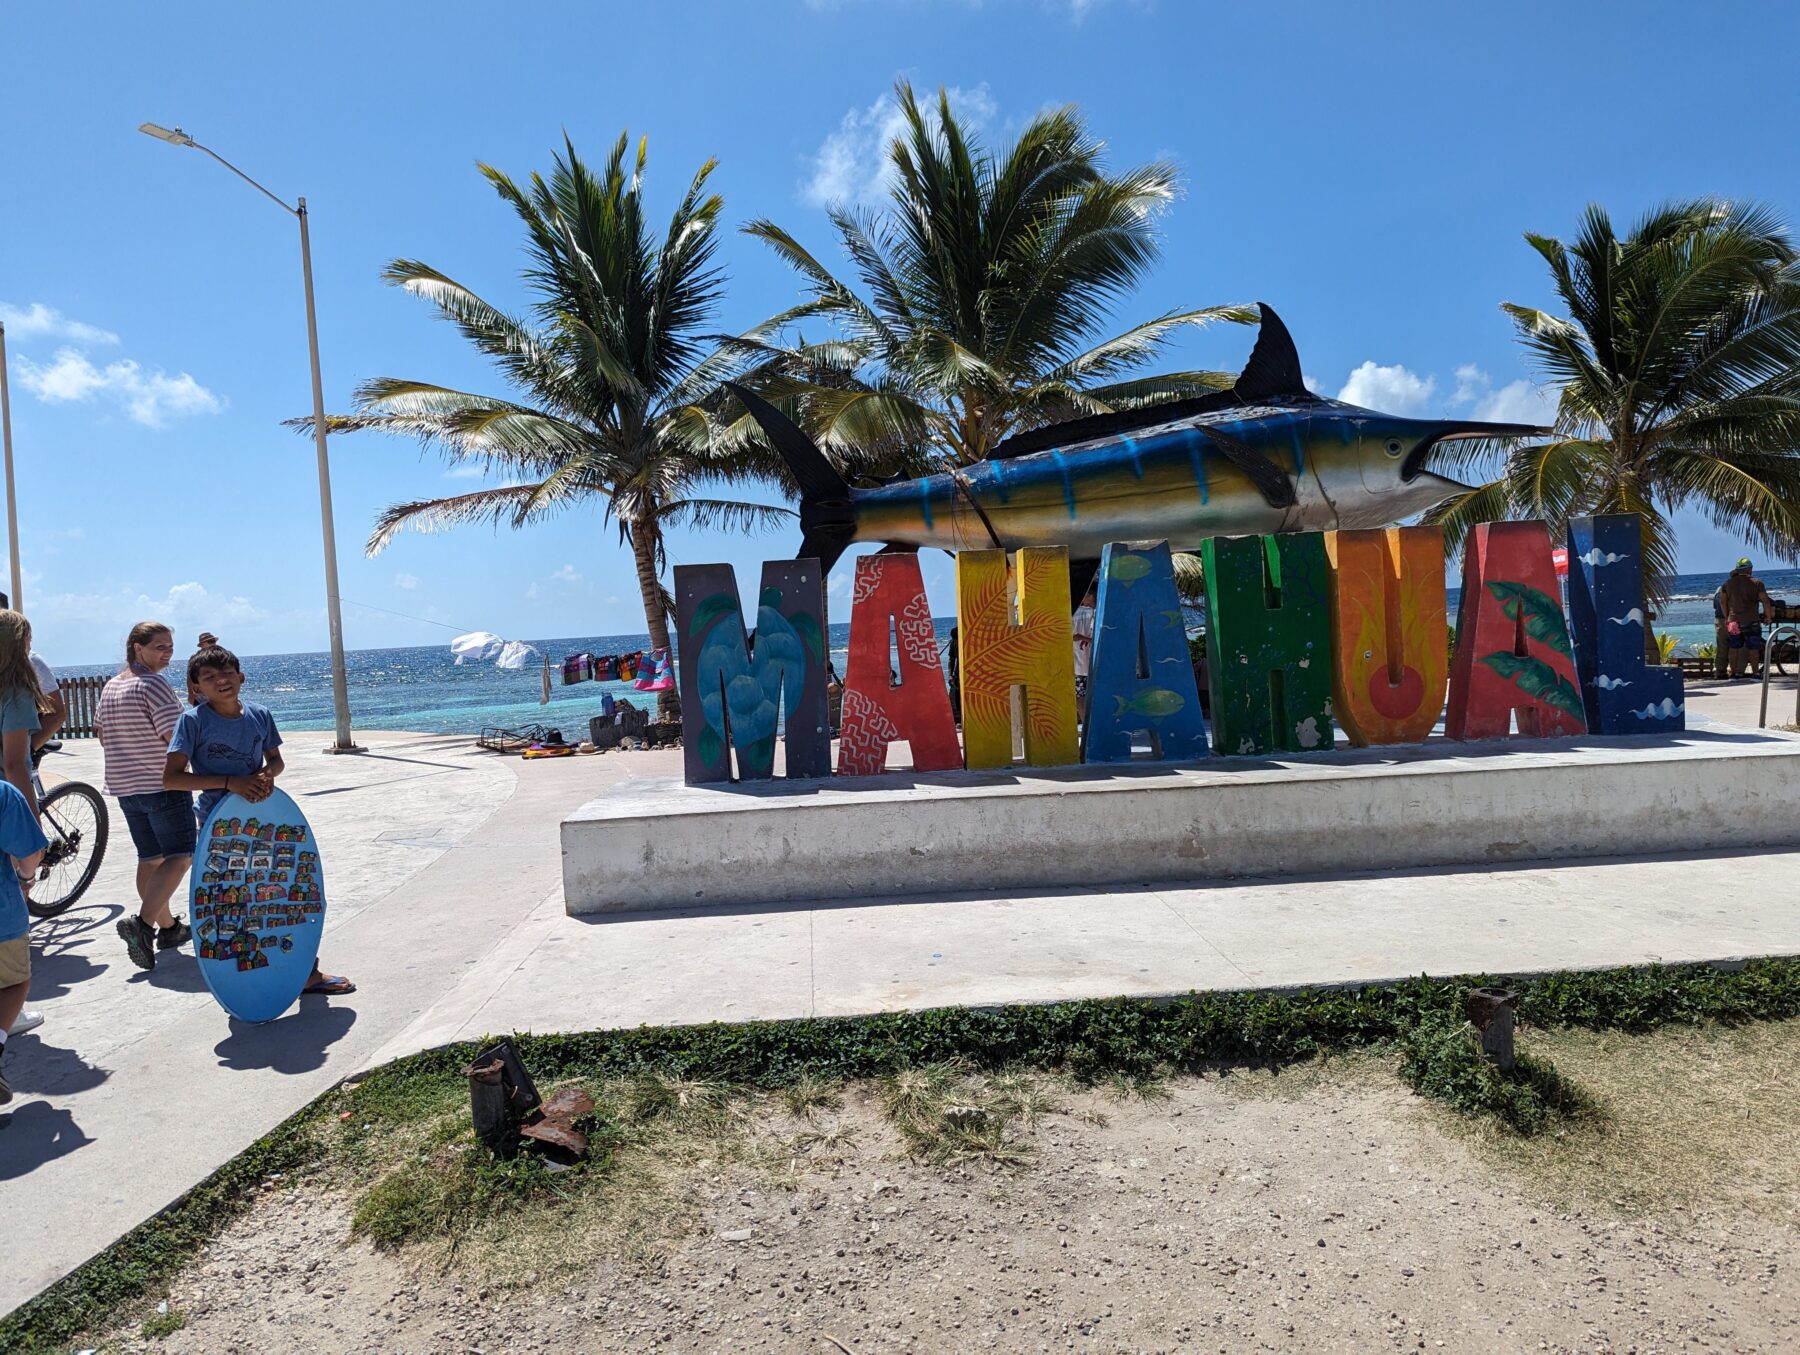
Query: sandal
329, 985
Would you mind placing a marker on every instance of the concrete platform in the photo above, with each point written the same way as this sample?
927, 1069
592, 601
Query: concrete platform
658, 844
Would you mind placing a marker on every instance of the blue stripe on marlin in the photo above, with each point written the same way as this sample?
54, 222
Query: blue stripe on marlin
1180, 472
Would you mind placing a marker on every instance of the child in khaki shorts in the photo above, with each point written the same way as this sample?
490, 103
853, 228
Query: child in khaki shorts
23, 841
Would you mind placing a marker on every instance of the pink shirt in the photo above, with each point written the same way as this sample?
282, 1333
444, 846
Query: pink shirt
138, 711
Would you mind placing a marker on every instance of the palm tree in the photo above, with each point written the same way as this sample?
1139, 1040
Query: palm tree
986, 279
1678, 376
613, 373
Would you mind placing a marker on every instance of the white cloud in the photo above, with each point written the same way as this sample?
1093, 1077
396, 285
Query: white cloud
188, 607
1391, 390
1471, 384
406, 581
468, 470
148, 398
1518, 402
41, 322
531, 593
1313, 384
567, 574
852, 163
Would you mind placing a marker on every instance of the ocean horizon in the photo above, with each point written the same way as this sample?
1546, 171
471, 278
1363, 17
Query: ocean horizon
422, 689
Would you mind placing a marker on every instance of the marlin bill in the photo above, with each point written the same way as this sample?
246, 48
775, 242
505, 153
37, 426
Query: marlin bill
1265, 456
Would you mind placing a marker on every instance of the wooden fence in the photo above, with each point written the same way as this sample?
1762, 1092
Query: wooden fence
81, 698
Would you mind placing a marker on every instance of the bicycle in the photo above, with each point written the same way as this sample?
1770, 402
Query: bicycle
75, 820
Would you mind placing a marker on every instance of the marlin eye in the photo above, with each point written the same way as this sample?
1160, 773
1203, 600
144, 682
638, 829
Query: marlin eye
1393, 447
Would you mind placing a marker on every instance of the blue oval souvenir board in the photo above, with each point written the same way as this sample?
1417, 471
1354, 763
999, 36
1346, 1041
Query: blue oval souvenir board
258, 904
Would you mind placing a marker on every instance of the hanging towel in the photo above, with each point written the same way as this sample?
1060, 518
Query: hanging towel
656, 673
477, 646
515, 654
628, 666
578, 668
603, 667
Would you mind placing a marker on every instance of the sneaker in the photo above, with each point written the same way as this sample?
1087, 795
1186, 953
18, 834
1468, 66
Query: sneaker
27, 1021
140, 941
177, 933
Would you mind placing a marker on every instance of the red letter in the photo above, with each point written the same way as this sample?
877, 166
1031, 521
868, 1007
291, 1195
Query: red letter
889, 589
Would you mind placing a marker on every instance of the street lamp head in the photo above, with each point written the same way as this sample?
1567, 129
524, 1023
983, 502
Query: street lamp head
177, 137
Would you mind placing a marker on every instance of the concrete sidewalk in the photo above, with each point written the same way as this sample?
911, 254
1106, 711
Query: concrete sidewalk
839, 957
138, 1085
444, 878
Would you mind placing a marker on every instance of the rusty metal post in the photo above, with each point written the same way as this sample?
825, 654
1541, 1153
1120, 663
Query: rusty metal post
501, 1095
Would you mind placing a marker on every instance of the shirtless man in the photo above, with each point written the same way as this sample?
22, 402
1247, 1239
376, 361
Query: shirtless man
1745, 604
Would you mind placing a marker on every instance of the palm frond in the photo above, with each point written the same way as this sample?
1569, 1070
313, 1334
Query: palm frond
501, 504
729, 514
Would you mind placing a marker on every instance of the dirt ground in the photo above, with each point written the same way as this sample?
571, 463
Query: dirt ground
1342, 1214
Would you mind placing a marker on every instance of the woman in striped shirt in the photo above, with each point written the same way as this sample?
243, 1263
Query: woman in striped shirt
138, 711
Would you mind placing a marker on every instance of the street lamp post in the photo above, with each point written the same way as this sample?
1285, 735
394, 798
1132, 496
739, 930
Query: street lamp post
340, 690
12, 503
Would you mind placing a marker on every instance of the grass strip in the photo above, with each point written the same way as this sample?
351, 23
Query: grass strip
1127, 1037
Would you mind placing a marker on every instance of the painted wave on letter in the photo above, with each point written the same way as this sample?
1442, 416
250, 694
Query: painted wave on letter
1666, 709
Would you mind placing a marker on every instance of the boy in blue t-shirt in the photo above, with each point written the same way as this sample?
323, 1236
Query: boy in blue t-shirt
226, 745
23, 841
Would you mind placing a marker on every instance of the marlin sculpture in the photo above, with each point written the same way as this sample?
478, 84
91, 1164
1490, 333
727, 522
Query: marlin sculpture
1265, 456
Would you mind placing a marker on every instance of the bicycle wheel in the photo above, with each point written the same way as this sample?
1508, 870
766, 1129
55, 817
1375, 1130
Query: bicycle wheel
75, 820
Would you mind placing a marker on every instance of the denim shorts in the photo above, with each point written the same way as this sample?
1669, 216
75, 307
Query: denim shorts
162, 823
1748, 637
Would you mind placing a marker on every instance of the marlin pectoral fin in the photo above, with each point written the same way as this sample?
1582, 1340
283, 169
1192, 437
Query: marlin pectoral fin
1274, 484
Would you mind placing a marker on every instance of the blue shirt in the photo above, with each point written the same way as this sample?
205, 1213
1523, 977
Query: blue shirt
219, 746
18, 711
19, 836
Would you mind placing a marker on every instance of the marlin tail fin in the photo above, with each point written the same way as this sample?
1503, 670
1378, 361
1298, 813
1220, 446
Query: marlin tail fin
827, 517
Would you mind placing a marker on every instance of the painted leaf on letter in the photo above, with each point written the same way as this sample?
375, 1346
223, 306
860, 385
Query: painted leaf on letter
1537, 680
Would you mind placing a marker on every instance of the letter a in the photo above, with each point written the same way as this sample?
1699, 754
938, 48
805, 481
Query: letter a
1512, 644
732, 697
1143, 679
889, 591
1389, 633
1000, 649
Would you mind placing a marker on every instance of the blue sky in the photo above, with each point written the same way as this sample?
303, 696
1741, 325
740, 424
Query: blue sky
1366, 169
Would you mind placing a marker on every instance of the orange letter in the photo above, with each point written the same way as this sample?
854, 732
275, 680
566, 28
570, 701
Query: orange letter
1388, 635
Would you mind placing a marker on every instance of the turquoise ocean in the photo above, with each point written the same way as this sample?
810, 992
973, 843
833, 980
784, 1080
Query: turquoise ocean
422, 689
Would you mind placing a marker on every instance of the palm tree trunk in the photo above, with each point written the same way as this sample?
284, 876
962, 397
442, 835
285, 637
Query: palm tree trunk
656, 620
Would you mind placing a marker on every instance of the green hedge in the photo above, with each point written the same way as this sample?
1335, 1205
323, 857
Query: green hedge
1418, 1016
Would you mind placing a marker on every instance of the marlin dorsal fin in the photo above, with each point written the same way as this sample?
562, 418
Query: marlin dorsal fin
1274, 366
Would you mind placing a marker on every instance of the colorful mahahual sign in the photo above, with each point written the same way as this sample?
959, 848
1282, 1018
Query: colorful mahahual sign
257, 904
1321, 613
1308, 631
